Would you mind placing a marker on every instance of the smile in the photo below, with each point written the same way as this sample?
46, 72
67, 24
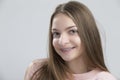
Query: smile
66, 50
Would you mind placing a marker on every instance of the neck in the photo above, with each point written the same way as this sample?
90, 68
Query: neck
77, 66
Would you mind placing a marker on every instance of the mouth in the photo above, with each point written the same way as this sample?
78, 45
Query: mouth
66, 50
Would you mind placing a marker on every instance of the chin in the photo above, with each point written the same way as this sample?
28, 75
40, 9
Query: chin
67, 59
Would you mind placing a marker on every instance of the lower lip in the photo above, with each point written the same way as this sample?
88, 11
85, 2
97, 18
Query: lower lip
67, 51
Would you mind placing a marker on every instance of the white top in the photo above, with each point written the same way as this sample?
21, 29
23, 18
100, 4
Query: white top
95, 74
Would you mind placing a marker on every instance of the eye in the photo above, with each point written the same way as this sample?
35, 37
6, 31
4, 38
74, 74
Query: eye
56, 34
73, 31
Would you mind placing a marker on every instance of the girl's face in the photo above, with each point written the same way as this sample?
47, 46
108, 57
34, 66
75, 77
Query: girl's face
66, 40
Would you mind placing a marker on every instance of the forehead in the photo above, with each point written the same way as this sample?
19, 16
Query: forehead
61, 21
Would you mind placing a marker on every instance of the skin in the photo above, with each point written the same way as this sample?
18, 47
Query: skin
67, 43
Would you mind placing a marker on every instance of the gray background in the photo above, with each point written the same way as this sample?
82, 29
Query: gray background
24, 33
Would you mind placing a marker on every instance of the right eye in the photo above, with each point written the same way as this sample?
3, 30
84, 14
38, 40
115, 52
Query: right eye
56, 34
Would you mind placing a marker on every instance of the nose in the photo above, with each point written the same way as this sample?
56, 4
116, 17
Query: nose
63, 40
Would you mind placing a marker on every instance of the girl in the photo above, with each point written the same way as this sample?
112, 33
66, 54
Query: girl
75, 50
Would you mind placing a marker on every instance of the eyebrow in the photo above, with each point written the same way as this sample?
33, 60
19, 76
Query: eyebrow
54, 29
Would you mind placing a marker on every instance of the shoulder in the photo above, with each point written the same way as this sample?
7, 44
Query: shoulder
104, 75
33, 67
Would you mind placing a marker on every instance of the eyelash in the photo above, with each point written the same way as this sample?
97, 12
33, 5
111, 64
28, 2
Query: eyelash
71, 32
56, 34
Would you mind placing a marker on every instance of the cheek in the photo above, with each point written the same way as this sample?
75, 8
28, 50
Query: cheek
54, 42
76, 40
79, 44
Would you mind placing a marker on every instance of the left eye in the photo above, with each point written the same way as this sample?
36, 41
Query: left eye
73, 31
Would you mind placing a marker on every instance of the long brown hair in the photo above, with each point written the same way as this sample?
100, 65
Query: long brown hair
55, 68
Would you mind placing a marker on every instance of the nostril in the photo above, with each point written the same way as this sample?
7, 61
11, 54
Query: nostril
63, 41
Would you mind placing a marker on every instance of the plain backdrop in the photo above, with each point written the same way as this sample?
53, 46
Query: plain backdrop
24, 28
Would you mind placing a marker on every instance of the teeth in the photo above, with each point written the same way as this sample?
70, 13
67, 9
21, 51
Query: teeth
66, 49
